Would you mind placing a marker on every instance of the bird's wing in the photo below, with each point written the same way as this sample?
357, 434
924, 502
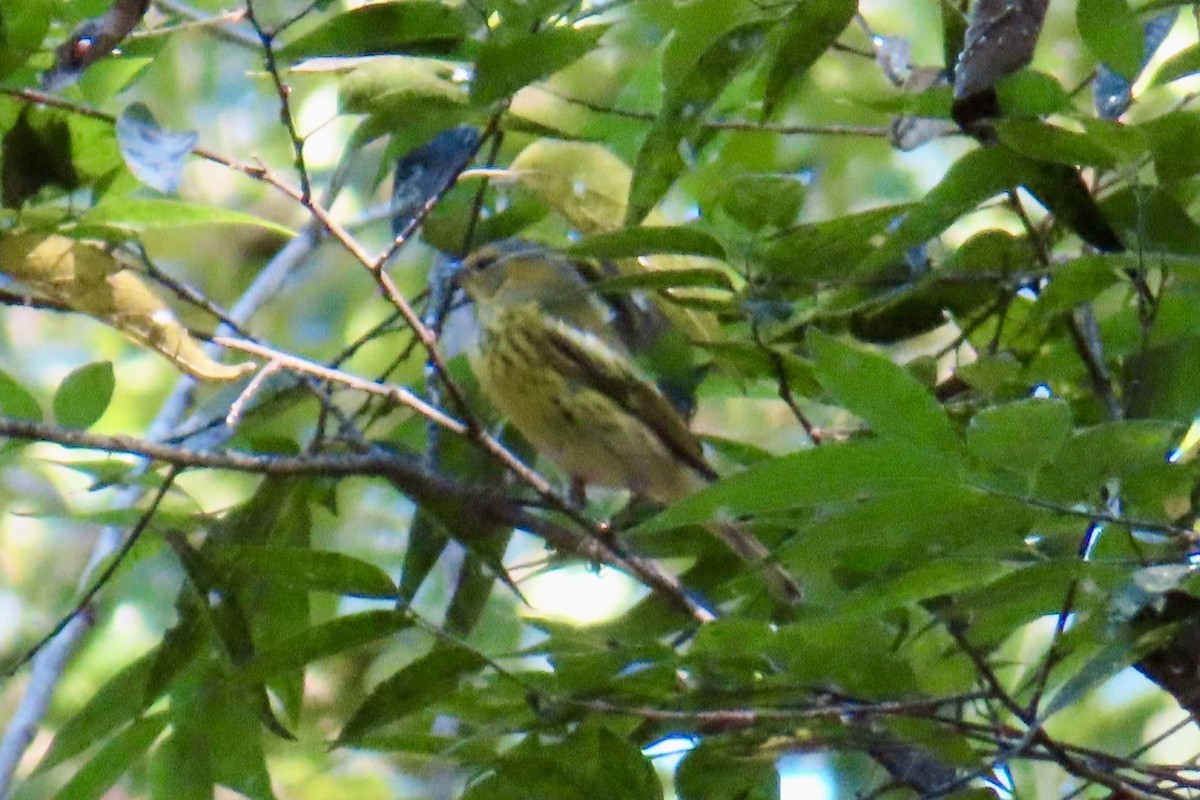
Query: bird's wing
582, 357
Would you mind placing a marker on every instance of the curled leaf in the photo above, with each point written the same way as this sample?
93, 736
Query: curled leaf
154, 155
92, 281
586, 183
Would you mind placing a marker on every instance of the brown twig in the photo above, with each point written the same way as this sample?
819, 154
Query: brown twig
407, 473
88, 597
283, 92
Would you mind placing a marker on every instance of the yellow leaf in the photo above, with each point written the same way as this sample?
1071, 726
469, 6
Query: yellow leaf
585, 183
92, 281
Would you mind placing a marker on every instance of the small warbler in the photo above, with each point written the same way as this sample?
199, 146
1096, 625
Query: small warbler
548, 358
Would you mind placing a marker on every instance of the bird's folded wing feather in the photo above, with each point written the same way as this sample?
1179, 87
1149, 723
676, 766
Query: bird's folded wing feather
581, 357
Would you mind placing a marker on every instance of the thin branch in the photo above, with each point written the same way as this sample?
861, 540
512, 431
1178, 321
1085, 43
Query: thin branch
284, 92
23, 300
406, 472
222, 24
84, 604
1035, 734
785, 386
397, 394
728, 719
408, 398
1081, 329
874, 131
47, 667
323, 218
1182, 532
644, 570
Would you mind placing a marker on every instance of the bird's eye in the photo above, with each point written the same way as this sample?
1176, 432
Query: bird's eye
481, 262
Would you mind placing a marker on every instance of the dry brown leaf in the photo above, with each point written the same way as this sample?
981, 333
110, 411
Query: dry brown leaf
92, 281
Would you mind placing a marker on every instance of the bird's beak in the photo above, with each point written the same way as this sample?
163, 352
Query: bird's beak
457, 273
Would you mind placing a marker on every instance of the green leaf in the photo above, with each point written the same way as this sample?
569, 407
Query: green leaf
117, 702
827, 250
1020, 436
1061, 190
327, 639
1111, 31
1155, 219
180, 768
23, 28
930, 736
977, 176
16, 401
1185, 62
989, 171
212, 598
427, 539
1128, 144
869, 538
757, 201
1161, 380
1109, 659
478, 572
591, 762
396, 86
1079, 281
187, 641
83, 396
709, 772
665, 279
106, 472
1030, 93
1051, 143
1111, 451
222, 713
755, 361
687, 98
302, 568
521, 779
132, 214
935, 102
507, 64
113, 760
820, 476
427, 680
647, 240
1172, 140
886, 396
942, 577
807, 31
417, 27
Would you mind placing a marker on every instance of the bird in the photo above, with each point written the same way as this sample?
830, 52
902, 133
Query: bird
550, 360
